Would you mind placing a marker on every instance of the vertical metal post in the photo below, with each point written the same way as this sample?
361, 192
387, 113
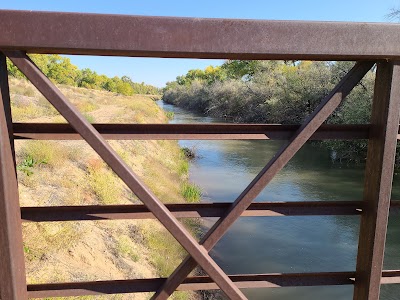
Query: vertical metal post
12, 273
378, 181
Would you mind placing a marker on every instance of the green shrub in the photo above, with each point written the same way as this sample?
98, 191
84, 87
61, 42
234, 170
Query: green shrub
43, 152
183, 168
170, 115
28, 164
278, 92
191, 192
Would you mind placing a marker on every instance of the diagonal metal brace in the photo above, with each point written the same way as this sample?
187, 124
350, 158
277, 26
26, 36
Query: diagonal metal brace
281, 158
106, 152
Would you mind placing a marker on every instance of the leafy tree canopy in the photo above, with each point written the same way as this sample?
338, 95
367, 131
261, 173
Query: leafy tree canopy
60, 70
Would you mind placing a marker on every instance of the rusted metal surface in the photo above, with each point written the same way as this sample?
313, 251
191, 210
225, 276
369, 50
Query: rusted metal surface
54, 131
378, 180
5, 94
104, 150
12, 274
191, 283
202, 283
95, 34
287, 151
196, 210
390, 277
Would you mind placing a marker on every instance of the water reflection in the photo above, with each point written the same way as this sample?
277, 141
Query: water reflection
285, 244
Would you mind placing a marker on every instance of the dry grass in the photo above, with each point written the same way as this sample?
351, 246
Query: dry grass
47, 153
127, 248
103, 182
167, 253
71, 173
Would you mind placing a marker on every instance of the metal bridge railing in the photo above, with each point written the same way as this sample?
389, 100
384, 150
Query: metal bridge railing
72, 33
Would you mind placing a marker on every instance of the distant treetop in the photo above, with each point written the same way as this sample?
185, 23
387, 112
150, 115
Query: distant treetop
60, 70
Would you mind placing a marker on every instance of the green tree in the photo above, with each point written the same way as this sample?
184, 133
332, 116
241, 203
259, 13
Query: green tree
13, 70
60, 70
239, 69
88, 79
277, 92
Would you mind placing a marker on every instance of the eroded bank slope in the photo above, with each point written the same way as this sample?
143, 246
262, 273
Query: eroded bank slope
55, 173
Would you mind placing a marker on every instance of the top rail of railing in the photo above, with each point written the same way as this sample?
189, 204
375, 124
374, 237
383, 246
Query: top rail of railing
122, 35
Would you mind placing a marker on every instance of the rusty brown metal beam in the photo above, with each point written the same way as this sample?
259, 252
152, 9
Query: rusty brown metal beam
55, 131
191, 283
74, 33
201, 283
282, 157
122, 35
390, 277
195, 210
12, 274
378, 180
108, 154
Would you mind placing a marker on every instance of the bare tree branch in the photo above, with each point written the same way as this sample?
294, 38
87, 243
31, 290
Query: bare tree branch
394, 14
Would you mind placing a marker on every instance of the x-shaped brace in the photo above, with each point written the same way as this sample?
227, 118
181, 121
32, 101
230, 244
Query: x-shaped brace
198, 253
107, 153
281, 158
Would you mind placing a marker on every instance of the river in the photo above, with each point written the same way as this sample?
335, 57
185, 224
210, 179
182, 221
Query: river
285, 244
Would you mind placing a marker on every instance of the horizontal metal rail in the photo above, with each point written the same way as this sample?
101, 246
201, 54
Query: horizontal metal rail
198, 210
97, 34
201, 283
56, 131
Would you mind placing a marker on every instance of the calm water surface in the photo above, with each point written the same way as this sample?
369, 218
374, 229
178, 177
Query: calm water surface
223, 169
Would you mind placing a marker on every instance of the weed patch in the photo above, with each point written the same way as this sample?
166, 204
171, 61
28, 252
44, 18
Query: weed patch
170, 115
27, 165
165, 251
48, 153
103, 182
86, 106
183, 168
88, 117
126, 248
191, 192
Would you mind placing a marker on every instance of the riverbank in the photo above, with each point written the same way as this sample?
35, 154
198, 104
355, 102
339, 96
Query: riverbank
276, 92
53, 173
285, 244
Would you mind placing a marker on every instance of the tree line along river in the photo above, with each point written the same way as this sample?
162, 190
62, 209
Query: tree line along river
223, 169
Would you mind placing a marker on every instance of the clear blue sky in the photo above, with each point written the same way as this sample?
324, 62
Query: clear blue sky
158, 71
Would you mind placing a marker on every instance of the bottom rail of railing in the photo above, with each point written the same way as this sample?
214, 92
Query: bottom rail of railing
275, 280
